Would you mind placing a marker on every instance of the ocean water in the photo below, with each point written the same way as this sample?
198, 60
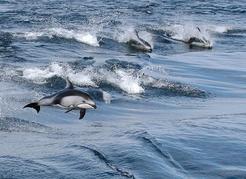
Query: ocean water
177, 112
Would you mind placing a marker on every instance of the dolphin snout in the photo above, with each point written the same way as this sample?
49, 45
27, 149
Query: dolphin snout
87, 106
94, 106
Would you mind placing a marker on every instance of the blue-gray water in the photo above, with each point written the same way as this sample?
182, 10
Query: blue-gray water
173, 113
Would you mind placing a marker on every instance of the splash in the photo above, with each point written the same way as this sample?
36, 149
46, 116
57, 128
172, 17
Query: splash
40, 75
34, 35
218, 29
83, 37
106, 97
126, 78
125, 81
187, 32
90, 76
125, 35
79, 36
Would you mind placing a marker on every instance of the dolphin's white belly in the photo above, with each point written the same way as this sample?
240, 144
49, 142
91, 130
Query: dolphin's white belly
71, 101
201, 44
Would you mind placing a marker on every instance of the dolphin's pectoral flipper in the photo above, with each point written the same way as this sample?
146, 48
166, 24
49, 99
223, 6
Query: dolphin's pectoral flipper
69, 110
33, 105
82, 113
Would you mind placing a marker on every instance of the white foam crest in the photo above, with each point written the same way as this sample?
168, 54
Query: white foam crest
80, 36
127, 80
83, 37
218, 29
124, 79
147, 37
33, 35
129, 83
40, 75
83, 78
106, 97
124, 35
184, 32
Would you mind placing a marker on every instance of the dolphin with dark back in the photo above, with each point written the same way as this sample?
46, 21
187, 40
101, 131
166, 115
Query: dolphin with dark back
194, 41
68, 98
199, 42
139, 44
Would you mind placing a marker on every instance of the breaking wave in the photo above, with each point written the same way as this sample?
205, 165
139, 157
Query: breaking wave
79, 36
114, 74
123, 35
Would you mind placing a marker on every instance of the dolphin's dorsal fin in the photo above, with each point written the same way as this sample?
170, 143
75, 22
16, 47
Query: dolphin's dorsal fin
69, 84
136, 32
198, 29
142, 40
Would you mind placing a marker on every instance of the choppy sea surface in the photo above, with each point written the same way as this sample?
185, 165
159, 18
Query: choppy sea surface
177, 112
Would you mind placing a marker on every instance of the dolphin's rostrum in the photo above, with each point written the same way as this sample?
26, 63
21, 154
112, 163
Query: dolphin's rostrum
69, 98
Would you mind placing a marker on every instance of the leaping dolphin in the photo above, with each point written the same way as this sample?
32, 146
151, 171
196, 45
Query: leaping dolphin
199, 42
68, 98
139, 44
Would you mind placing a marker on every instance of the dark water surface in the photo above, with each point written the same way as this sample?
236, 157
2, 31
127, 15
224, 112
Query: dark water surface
173, 113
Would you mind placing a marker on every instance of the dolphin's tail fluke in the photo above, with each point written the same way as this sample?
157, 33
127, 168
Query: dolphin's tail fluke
34, 106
